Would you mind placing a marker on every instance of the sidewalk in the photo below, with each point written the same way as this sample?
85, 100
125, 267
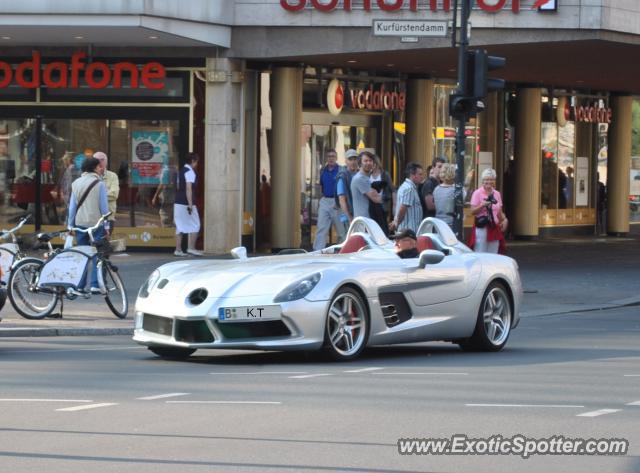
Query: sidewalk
559, 276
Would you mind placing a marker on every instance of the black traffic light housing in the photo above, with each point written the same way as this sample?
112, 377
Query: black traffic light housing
469, 101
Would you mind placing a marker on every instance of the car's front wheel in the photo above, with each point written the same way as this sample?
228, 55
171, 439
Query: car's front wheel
347, 325
493, 325
173, 353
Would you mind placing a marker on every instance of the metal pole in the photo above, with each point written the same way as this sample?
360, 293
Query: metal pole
38, 175
460, 133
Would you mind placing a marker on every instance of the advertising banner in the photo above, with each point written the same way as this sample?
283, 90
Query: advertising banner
150, 156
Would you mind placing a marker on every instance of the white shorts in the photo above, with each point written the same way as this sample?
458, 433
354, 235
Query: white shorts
186, 223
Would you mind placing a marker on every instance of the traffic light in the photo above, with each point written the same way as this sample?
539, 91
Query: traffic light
479, 63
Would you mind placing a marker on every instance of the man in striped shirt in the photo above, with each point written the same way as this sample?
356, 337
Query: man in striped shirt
408, 214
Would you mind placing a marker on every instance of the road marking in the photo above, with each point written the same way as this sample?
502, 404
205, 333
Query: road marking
421, 373
83, 408
632, 375
224, 402
305, 376
363, 370
635, 403
45, 400
162, 396
523, 405
261, 372
600, 412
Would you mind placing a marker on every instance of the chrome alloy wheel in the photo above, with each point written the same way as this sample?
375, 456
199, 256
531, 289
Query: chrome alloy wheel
347, 324
496, 314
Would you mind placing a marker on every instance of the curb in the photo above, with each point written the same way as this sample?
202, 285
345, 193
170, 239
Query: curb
629, 302
62, 332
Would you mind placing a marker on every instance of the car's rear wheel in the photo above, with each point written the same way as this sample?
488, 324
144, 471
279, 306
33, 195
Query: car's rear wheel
173, 353
347, 325
493, 325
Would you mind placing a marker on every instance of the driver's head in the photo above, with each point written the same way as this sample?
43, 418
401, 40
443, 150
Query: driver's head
406, 240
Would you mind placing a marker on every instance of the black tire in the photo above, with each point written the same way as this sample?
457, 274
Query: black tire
172, 353
493, 325
347, 325
116, 296
26, 299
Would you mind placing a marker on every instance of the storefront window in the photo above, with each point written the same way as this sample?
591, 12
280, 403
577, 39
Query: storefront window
634, 188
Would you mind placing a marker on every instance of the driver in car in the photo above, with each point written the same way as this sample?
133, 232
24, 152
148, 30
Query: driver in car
406, 244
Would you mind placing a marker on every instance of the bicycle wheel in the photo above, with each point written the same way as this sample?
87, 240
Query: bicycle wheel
115, 296
29, 301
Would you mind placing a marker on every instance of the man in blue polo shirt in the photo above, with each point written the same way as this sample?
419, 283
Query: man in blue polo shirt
327, 209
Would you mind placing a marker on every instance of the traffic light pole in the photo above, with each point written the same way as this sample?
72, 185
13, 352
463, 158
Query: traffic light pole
462, 121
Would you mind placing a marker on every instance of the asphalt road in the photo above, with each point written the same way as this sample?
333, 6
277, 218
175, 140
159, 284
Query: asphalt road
103, 404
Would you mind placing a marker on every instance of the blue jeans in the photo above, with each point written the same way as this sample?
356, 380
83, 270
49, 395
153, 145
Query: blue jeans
82, 238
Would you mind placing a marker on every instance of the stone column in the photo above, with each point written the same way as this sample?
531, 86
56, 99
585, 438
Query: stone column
528, 151
619, 166
224, 159
420, 122
286, 106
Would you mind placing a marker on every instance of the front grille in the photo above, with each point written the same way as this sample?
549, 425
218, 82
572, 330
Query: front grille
266, 329
155, 324
193, 331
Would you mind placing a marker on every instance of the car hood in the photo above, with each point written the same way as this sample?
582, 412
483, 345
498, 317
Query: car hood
240, 278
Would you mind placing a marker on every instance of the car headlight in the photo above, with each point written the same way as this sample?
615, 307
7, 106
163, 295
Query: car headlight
298, 289
148, 285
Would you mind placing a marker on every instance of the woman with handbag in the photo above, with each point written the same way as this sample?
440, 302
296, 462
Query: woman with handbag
489, 221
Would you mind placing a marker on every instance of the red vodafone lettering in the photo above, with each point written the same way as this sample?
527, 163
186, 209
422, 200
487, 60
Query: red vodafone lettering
32, 74
327, 6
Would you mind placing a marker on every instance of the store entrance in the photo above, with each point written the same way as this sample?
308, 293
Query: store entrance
320, 133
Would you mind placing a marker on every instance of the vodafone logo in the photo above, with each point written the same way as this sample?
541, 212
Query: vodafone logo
335, 97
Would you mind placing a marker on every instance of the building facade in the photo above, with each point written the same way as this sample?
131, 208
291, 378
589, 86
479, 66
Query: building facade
261, 89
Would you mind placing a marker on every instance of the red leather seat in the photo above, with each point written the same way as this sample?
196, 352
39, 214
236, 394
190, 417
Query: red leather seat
425, 243
353, 244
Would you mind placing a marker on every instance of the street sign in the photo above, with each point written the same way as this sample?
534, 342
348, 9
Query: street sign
414, 28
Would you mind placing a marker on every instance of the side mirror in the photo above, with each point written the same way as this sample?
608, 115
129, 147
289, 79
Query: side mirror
430, 257
239, 252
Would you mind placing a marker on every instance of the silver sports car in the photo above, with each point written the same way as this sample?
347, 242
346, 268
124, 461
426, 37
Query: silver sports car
341, 299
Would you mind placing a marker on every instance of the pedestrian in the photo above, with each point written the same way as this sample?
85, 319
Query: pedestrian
406, 244
408, 212
327, 209
87, 205
444, 194
381, 181
343, 187
113, 189
164, 197
601, 217
490, 223
185, 212
426, 190
361, 190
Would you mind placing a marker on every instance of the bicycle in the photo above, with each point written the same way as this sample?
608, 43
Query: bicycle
62, 272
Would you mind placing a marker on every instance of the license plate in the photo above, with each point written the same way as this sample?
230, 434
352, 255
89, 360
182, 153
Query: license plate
249, 314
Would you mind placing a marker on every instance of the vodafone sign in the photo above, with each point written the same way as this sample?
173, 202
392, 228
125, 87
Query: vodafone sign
379, 99
96, 75
491, 6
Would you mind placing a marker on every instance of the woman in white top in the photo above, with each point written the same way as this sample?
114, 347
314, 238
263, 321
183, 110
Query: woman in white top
444, 194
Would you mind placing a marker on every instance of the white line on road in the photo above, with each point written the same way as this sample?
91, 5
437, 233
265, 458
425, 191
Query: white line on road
305, 376
224, 402
363, 370
421, 373
632, 375
635, 403
597, 413
90, 406
523, 405
45, 400
162, 396
260, 372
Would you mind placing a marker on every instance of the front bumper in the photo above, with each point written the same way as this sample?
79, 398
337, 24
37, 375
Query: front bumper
301, 327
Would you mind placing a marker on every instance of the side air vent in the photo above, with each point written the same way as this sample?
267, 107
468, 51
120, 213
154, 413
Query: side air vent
162, 283
395, 308
198, 296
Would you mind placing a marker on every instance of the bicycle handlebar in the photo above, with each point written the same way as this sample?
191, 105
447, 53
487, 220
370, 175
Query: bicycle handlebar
91, 229
4, 234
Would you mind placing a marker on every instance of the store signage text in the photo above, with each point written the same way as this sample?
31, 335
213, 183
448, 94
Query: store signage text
97, 75
364, 99
590, 113
491, 6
